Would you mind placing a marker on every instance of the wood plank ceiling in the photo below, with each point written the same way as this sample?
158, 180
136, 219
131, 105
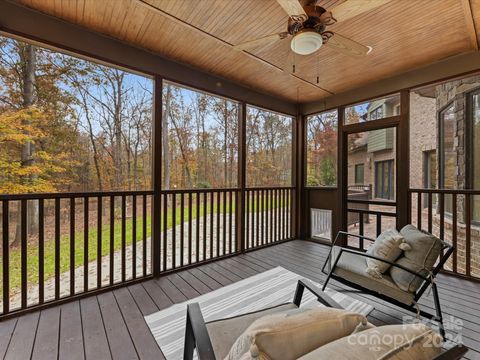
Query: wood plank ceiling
404, 34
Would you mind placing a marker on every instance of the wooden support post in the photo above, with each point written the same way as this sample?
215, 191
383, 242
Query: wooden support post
157, 177
240, 212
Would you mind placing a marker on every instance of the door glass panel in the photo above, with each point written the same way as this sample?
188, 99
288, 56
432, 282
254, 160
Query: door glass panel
371, 164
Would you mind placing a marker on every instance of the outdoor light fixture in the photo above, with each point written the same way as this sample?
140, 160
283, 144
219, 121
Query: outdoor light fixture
306, 42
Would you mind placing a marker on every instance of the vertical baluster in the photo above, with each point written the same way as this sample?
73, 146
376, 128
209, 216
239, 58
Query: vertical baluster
212, 204
204, 243
144, 232
252, 216
264, 217
72, 246
6, 257
24, 253
218, 223
271, 211
289, 212
99, 240
441, 199
123, 234
112, 239
165, 224
85, 243
284, 206
190, 227
419, 210
230, 219
41, 251
454, 232
197, 230
379, 224
182, 230
224, 242
174, 230
257, 222
57, 248
247, 219
134, 236
361, 230
468, 231
275, 215
429, 199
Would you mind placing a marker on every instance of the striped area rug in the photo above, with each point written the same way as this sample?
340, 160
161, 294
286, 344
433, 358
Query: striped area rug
267, 289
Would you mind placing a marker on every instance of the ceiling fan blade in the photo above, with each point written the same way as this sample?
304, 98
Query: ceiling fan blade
348, 46
352, 8
294, 9
261, 41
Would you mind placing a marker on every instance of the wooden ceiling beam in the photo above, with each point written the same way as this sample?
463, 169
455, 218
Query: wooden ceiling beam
173, 18
471, 30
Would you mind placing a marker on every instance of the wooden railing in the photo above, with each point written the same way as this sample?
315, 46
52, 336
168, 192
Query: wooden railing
267, 216
364, 211
453, 216
55, 247
79, 244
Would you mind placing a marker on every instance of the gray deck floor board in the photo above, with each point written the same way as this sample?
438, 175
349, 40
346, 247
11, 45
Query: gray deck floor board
112, 324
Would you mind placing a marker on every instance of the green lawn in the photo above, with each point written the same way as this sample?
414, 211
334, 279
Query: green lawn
49, 259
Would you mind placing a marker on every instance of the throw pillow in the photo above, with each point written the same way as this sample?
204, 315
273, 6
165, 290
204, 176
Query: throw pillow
425, 250
388, 246
293, 333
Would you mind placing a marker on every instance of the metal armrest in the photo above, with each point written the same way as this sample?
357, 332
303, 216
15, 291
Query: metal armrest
383, 260
354, 235
196, 335
315, 290
455, 353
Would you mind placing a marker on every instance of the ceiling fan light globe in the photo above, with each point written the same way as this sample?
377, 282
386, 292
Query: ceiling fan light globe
306, 42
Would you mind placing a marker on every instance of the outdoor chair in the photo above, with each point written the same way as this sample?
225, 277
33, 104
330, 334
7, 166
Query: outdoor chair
213, 339
348, 266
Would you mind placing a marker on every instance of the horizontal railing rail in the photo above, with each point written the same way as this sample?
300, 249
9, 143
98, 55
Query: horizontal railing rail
451, 214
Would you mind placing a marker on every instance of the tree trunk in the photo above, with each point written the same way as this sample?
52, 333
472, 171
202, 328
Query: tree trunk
165, 143
28, 57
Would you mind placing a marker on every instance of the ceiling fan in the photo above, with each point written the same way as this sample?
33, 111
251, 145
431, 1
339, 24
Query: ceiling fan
308, 27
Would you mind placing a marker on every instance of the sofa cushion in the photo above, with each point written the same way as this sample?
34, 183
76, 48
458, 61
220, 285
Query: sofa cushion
389, 342
352, 267
293, 333
223, 333
388, 246
425, 250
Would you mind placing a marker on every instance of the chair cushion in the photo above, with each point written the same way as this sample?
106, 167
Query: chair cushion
293, 333
388, 246
223, 333
425, 250
351, 267
389, 342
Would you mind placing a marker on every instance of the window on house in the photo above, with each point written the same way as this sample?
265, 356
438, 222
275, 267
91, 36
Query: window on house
373, 110
384, 180
430, 172
359, 174
448, 152
377, 113
322, 140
